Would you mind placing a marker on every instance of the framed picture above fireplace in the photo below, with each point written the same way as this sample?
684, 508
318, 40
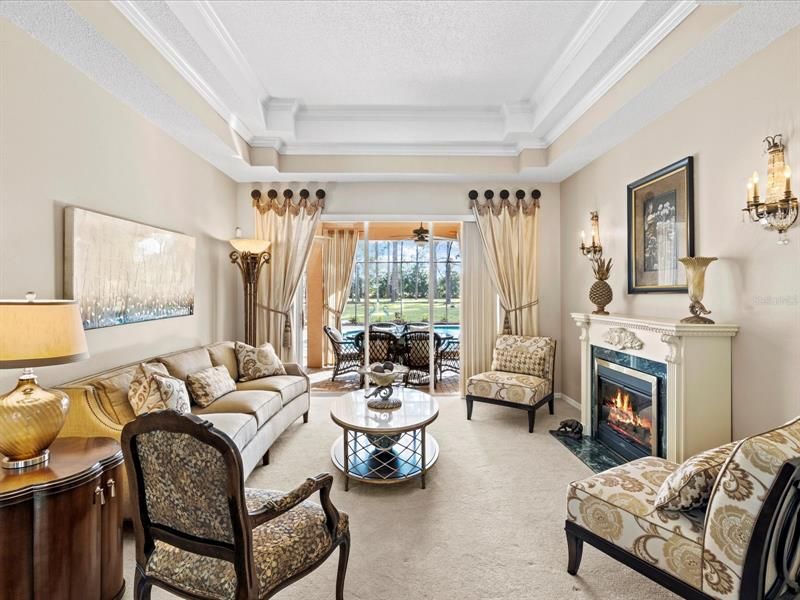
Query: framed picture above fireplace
660, 228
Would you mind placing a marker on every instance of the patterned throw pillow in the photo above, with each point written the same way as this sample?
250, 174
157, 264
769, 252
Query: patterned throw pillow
689, 486
142, 393
173, 392
255, 363
209, 384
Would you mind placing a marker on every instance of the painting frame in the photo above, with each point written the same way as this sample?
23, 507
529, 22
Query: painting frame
123, 272
660, 228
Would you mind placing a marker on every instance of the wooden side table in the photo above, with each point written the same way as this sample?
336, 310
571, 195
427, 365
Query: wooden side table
61, 525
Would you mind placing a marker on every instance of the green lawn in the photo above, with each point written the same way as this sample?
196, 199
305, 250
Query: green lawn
410, 311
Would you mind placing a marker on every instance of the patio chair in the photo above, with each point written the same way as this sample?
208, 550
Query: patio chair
448, 358
416, 356
201, 534
347, 355
381, 347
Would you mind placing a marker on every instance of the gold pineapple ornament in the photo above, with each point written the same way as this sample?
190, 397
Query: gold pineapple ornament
600, 293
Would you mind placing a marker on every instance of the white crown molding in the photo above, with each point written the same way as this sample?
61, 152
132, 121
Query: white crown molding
131, 12
662, 29
394, 149
327, 113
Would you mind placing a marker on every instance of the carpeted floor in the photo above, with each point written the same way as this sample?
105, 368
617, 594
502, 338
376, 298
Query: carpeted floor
488, 526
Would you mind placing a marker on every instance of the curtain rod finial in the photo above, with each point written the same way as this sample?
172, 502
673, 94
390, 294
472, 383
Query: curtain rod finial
473, 195
488, 194
536, 194
320, 194
520, 194
272, 194
255, 195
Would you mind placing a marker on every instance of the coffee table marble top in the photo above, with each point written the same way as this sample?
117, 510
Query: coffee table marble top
350, 411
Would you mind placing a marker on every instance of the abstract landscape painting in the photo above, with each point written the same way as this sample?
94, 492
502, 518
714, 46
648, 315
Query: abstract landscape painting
124, 272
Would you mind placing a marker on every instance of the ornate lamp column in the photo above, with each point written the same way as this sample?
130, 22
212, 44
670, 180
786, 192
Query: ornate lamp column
250, 256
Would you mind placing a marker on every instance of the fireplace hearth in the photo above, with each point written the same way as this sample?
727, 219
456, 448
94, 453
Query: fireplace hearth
626, 410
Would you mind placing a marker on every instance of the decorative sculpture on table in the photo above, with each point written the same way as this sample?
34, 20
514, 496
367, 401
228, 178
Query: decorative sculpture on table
696, 279
383, 375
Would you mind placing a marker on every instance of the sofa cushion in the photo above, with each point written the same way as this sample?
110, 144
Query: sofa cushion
619, 506
222, 354
288, 386
524, 354
263, 405
174, 394
689, 486
143, 394
182, 364
510, 387
255, 362
241, 428
209, 384
113, 395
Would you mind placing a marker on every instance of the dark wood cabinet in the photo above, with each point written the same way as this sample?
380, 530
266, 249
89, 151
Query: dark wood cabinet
61, 525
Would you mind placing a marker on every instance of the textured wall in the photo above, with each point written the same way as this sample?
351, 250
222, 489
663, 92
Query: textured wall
66, 141
756, 283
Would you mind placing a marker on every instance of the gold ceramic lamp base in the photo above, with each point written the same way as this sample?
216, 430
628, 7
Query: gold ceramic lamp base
30, 419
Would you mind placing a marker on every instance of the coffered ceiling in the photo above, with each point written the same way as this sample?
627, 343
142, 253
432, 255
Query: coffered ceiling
285, 90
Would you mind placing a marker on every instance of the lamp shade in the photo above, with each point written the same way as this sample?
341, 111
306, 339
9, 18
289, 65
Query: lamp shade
249, 245
39, 333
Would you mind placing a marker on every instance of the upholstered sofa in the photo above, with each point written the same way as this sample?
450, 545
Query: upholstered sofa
253, 416
741, 545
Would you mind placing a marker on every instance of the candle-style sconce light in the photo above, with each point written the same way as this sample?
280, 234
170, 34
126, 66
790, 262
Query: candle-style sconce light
600, 294
595, 249
779, 212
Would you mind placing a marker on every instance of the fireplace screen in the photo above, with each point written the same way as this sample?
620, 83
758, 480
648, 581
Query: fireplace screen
626, 404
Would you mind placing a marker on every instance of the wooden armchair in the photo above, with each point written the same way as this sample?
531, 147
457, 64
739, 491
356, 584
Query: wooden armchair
522, 376
347, 354
201, 534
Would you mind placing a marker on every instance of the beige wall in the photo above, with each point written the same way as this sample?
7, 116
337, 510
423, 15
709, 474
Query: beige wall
756, 283
448, 201
66, 141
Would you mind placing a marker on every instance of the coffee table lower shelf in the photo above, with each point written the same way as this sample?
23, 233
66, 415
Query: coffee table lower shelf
375, 459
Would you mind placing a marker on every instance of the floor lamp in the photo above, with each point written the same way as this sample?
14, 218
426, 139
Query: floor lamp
250, 256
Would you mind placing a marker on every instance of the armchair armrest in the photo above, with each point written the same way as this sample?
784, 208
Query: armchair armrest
274, 507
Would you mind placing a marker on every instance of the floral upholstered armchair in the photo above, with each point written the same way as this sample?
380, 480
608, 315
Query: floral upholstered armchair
740, 539
201, 534
522, 376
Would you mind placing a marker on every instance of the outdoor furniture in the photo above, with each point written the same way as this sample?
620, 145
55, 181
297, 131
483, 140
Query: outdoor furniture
448, 358
347, 355
523, 370
415, 347
385, 450
742, 545
201, 534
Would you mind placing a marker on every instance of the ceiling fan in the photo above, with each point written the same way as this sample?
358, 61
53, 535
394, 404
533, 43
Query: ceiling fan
420, 235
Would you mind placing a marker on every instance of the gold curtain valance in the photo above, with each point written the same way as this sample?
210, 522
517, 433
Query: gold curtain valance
527, 207
281, 207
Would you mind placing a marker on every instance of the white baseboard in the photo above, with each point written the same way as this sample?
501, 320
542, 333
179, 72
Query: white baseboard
573, 403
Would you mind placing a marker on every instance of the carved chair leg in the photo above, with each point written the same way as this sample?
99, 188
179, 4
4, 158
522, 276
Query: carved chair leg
575, 549
265, 458
141, 587
531, 419
305, 417
469, 408
344, 554
551, 404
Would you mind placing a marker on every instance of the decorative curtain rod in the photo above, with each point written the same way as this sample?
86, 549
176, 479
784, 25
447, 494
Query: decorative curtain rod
527, 207
271, 202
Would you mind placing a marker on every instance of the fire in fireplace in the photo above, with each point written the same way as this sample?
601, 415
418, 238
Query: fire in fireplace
626, 404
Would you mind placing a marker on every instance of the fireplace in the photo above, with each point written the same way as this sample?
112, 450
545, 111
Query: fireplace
626, 410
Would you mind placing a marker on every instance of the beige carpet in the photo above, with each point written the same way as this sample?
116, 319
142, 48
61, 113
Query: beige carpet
488, 526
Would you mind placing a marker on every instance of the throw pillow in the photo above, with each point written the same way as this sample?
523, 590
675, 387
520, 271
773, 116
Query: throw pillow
174, 394
209, 384
142, 393
255, 363
689, 486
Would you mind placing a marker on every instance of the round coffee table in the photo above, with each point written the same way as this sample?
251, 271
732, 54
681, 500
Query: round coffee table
385, 446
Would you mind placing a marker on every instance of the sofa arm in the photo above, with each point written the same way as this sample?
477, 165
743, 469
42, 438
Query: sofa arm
86, 418
297, 370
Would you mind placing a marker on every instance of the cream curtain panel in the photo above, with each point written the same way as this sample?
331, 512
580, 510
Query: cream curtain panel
290, 227
508, 231
338, 257
479, 322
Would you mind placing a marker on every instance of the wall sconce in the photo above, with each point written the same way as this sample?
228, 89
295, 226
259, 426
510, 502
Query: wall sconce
595, 250
779, 212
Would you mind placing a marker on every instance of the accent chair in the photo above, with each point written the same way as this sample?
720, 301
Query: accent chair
743, 544
522, 376
201, 534
346, 353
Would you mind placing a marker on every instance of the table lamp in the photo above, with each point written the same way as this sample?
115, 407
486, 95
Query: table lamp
35, 333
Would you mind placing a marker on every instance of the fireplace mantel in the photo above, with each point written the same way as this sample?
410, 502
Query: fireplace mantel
698, 359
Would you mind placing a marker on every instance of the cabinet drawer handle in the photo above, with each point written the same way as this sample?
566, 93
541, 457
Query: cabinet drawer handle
112, 486
98, 491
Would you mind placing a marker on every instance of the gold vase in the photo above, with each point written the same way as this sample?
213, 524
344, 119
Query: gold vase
30, 419
696, 281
